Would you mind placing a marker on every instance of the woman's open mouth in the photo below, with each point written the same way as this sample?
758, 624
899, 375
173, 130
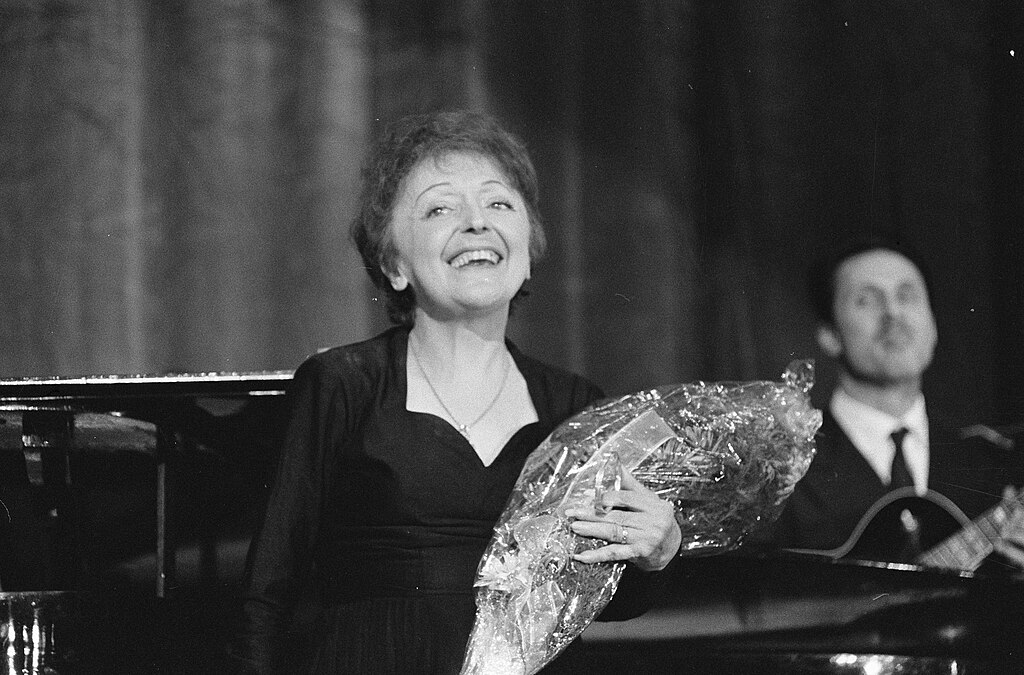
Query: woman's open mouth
477, 257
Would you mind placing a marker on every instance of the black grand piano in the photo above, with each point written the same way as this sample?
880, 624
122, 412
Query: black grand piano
130, 500
128, 503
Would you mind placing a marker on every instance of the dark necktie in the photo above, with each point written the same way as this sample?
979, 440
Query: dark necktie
900, 472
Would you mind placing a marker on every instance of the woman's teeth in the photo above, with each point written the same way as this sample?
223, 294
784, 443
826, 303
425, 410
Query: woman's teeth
475, 257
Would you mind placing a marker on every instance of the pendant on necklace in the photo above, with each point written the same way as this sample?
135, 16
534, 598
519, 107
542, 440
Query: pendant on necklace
463, 428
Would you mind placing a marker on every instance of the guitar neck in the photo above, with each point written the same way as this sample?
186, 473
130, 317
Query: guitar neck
966, 549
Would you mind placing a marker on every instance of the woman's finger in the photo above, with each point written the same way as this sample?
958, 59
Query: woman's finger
620, 540
629, 481
632, 495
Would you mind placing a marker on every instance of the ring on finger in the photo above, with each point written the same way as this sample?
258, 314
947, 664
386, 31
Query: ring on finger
623, 534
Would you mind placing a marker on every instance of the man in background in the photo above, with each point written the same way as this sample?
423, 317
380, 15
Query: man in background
876, 443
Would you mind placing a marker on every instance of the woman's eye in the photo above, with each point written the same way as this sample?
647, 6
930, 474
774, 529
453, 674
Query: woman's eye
437, 211
500, 204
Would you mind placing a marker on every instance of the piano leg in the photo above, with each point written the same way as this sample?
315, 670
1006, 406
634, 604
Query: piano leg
47, 438
167, 447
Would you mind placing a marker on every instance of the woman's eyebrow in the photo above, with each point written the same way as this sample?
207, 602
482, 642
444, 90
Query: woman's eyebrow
429, 188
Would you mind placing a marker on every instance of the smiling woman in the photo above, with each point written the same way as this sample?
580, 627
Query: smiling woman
413, 141
458, 240
461, 237
403, 450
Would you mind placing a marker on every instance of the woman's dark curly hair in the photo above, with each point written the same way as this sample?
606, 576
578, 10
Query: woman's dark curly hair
405, 144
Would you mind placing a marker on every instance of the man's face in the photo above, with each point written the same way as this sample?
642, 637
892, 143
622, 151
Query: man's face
884, 330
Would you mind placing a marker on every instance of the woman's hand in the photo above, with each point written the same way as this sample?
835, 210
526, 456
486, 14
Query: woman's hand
640, 527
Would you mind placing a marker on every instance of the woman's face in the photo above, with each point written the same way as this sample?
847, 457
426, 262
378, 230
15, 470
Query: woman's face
461, 235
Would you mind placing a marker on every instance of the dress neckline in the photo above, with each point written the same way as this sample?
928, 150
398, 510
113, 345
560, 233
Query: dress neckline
400, 359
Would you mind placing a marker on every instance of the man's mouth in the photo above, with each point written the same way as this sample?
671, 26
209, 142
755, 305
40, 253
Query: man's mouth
896, 339
476, 257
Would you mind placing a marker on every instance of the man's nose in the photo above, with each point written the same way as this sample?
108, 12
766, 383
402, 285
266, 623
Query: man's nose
890, 308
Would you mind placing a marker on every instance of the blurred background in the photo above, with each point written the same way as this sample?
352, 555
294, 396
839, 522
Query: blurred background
177, 179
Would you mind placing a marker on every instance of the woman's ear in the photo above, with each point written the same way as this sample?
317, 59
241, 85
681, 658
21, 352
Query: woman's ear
398, 281
829, 340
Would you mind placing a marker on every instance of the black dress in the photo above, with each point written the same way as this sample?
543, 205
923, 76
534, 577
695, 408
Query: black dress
385, 513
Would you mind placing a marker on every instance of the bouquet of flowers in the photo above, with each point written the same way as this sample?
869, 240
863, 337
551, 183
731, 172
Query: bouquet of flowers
726, 455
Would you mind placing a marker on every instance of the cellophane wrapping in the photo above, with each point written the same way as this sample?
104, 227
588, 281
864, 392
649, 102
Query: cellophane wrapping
726, 455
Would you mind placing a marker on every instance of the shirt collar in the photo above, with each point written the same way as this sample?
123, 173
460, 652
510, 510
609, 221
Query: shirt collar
857, 416
869, 428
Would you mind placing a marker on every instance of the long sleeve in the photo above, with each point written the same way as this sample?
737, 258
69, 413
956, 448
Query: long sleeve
637, 592
282, 551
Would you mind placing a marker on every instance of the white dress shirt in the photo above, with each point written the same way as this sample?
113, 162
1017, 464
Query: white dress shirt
869, 430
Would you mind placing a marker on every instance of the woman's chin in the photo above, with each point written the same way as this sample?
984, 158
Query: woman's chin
477, 307
485, 297
483, 309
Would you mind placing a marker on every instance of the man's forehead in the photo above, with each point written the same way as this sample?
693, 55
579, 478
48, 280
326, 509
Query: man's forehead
879, 268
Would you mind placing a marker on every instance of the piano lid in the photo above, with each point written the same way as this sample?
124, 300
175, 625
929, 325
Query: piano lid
223, 409
105, 392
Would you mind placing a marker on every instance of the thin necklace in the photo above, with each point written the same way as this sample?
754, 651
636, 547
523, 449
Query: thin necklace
463, 428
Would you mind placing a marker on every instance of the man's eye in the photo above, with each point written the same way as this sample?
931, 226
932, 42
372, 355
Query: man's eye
911, 294
864, 300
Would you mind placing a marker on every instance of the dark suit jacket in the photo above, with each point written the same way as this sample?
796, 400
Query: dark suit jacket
840, 486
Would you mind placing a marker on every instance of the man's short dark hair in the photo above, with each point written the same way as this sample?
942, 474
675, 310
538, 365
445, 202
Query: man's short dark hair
821, 278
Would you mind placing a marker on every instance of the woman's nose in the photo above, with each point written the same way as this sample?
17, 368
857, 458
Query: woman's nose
476, 221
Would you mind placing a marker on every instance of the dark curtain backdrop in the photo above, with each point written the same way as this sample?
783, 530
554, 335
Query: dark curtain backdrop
176, 178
